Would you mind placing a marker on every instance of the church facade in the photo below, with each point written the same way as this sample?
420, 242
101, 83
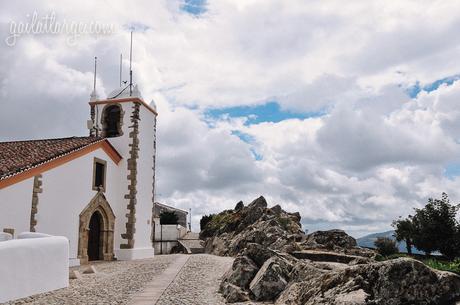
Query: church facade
98, 190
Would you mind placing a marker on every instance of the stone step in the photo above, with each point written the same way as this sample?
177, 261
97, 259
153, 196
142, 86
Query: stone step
192, 246
191, 235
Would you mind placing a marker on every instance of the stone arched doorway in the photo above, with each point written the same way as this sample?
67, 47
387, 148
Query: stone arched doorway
97, 222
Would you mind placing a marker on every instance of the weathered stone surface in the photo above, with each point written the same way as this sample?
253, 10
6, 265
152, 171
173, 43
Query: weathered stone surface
400, 281
258, 203
271, 279
242, 272
258, 253
323, 256
303, 271
233, 293
331, 239
239, 206
328, 267
255, 223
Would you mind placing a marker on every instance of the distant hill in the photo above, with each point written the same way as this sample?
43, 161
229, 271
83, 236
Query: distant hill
368, 241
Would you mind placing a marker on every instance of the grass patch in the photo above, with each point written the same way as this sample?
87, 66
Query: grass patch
438, 264
219, 221
453, 266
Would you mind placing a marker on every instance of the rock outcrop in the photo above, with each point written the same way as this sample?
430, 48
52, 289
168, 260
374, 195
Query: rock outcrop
398, 281
230, 231
276, 261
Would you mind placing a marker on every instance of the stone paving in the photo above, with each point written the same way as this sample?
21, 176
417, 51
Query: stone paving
114, 283
177, 279
155, 288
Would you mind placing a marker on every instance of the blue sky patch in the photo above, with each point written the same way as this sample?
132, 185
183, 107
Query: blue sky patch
243, 136
256, 155
452, 170
414, 90
250, 140
194, 7
268, 112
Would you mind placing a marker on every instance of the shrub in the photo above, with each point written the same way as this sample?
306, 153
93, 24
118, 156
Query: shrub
168, 218
386, 246
205, 220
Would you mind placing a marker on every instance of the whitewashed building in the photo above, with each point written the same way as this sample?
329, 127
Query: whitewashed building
96, 190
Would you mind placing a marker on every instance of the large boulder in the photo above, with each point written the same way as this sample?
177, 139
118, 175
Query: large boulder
243, 271
258, 253
271, 279
330, 239
393, 282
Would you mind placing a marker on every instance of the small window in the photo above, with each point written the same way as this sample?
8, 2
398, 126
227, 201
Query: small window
99, 171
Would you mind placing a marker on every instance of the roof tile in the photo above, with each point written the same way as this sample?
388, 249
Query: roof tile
18, 156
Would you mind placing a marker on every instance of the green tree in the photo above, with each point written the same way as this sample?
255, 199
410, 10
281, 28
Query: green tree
404, 231
435, 227
168, 218
385, 246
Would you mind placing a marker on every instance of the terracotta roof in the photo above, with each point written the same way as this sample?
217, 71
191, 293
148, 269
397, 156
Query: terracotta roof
19, 156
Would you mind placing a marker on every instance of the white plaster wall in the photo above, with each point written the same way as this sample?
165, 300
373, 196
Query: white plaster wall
15, 206
120, 143
144, 204
31, 266
145, 179
167, 232
67, 190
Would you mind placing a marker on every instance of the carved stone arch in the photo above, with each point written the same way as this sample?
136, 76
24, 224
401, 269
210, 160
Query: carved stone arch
98, 204
107, 120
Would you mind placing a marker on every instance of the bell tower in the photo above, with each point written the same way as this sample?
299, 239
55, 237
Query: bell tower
129, 124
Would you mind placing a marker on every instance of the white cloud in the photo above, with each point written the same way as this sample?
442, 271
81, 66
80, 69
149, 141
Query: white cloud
373, 156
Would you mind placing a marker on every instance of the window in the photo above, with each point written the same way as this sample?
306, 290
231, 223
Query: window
111, 121
99, 172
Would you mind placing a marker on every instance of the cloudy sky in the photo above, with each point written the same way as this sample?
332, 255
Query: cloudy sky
346, 112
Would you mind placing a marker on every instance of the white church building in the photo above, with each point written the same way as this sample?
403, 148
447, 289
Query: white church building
98, 191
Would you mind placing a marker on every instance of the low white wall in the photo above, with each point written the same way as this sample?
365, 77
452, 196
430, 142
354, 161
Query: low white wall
33, 265
167, 232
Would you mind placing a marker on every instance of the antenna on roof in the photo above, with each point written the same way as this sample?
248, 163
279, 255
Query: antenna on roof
93, 96
121, 66
95, 69
130, 66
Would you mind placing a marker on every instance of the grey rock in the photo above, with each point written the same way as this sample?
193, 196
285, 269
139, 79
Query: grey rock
330, 239
259, 202
327, 256
277, 210
242, 272
233, 293
258, 253
239, 206
271, 279
399, 281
